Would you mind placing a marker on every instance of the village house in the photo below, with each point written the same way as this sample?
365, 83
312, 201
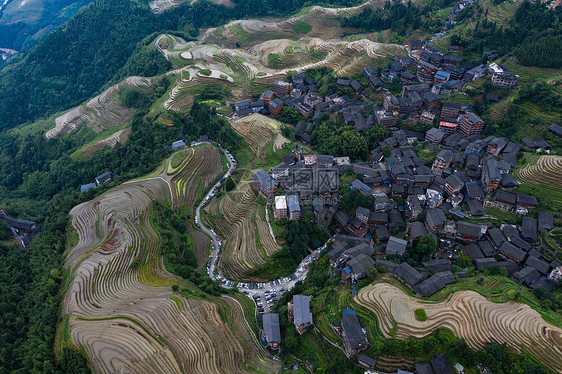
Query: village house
294, 207
468, 231
271, 331
299, 313
105, 177
501, 76
264, 183
442, 162
435, 220
414, 206
280, 211
470, 124
354, 340
408, 275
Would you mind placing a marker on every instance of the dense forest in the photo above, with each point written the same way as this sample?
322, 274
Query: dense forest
25, 33
399, 17
533, 35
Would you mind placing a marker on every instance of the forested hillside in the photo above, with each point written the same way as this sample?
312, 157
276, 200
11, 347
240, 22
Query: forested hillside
24, 23
76, 61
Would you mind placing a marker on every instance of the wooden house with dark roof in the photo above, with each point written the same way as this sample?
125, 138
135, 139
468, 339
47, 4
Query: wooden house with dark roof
527, 275
473, 251
496, 237
529, 229
487, 248
354, 340
545, 221
407, 274
484, 263
541, 266
512, 252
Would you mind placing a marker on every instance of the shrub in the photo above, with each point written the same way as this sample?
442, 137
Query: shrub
420, 314
205, 71
302, 27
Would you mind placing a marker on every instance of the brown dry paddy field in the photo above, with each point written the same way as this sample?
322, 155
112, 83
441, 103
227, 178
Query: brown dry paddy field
240, 216
468, 315
128, 320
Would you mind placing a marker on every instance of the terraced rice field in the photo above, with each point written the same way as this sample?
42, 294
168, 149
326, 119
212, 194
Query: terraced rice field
127, 319
246, 71
248, 240
200, 169
259, 131
469, 315
542, 177
112, 140
102, 112
547, 170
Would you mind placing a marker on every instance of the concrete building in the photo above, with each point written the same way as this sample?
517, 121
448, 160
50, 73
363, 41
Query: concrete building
280, 211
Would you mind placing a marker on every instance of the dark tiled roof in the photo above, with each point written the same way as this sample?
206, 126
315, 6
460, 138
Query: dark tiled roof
389, 266
264, 179
487, 248
496, 236
424, 368
408, 274
396, 246
301, 310
441, 365
520, 243
382, 232
527, 199
369, 361
467, 228
484, 263
529, 229
509, 266
541, 266
506, 197
546, 221
548, 285
271, 327
353, 332
512, 251
476, 208
438, 265
527, 275
474, 251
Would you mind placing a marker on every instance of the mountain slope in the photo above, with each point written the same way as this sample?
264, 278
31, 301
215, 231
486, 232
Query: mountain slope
24, 22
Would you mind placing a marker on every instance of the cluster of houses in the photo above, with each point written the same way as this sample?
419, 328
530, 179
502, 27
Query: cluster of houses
446, 72
22, 230
413, 198
99, 180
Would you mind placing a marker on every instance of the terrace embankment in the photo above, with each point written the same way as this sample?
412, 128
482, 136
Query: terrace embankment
468, 315
119, 304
